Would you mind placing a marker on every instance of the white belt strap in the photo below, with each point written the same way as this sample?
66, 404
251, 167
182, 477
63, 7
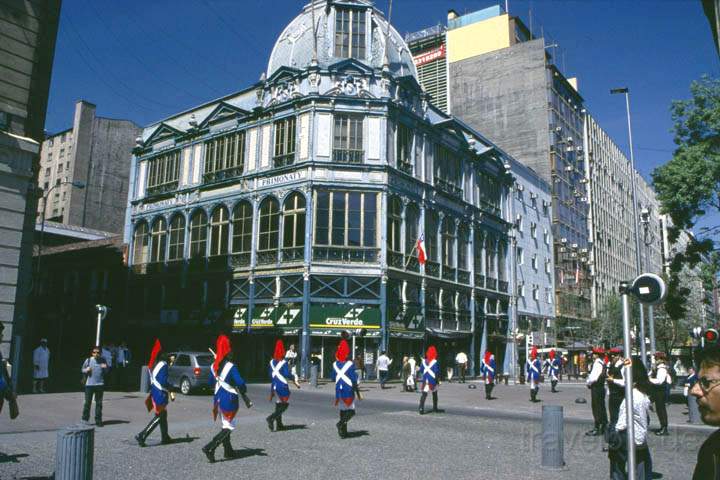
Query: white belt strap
276, 371
220, 380
154, 374
340, 373
427, 368
488, 367
532, 366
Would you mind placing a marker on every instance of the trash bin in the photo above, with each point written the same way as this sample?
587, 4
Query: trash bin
74, 453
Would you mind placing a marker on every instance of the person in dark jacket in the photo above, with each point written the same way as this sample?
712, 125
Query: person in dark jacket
708, 398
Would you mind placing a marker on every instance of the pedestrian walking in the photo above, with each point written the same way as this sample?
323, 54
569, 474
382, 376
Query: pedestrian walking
533, 374
430, 379
404, 373
449, 366
94, 370
157, 400
360, 367
661, 380
552, 364
6, 391
279, 388
412, 366
41, 363
229, 386
616, 384
383, 368
596, 383
487, 369
346, 386
122, 358
708, 398
618, 450
291, 359
461, 360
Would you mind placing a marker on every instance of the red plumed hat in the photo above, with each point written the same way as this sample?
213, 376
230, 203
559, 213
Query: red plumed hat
552, 354
533, 352
157, 348
488, 354
279, 352
431, 353
598, 350
616, 350
222, 348
343, 350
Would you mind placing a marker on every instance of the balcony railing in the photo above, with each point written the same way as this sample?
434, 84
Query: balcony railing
480, 280
411, 263
448, 273
197, 263
463, 276
448, 187
174, 266
491, 284
433, 322
240, 260
465, 325
502, 285
405, 166
283, 160
293, 254
163, 188
267, 257
218, 262
432, 269
342, 155
395, 259
220, 175
345, 255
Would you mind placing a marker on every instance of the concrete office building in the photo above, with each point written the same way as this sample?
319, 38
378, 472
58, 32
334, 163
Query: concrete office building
95, 152
294, 207
27, 39
503, 82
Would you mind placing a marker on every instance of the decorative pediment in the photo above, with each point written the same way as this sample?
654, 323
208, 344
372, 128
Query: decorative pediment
223, 111
350, 66
283, 74
163, 132
351, 86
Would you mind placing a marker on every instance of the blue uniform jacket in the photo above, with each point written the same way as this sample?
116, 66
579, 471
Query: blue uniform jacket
426, 376
345, 386
553, 366
3, 373
158, 388
691, 380
227, 401
488, 372
533, 374
280, 389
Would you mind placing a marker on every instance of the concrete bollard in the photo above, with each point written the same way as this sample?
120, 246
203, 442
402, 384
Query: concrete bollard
693, 410
144, 379
74, 453
314, 375
552, 437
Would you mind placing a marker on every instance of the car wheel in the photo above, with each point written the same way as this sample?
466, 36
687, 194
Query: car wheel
185, 386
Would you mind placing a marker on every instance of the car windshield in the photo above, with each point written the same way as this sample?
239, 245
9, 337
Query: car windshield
204, 360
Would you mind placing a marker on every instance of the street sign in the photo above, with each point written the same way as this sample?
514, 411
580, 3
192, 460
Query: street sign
649, 289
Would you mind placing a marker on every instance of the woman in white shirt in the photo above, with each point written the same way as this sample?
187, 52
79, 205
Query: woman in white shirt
618, 453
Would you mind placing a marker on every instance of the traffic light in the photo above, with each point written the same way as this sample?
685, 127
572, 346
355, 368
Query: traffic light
711, 336
530, 339
696, 332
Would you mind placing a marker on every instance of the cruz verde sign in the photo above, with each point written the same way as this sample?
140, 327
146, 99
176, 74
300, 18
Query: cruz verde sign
344, 317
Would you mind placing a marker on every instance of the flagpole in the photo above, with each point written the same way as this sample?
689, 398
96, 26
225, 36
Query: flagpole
407, 262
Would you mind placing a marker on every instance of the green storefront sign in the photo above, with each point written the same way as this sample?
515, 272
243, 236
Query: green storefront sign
405, 320
333, 317
288, 316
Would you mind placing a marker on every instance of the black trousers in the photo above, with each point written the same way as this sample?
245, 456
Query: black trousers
660, 406
597, 396
90, 392
614, 406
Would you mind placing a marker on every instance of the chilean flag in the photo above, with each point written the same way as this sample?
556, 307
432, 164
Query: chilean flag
422, 256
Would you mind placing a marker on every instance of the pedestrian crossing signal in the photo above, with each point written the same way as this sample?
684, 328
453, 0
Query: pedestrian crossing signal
711, 335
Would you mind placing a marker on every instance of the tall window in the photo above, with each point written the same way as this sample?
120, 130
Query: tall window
294, 221
348, 145
159, 240
403, 150
219, 229
242, 227
284, 153
448, 239
412, 217
163, 172
447, 174
346, 219
141, 243
177, 238
463, 241
431, 241
394, 224
198, 234
224, 156
349, 33
269, 225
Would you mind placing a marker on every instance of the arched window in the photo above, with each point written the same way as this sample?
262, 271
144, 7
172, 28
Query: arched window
412, 217
269, 225
242, 227
141, 243
448, 240
394, 224
490, 251
502, 253
219, 230
159, 240
294, 221
177, 238
463, 240
198, 234
431, 240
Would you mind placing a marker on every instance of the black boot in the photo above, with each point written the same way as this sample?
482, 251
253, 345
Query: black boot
488, 388
209, 449
166, 439
553, 383
423, 396
435, 403
532, 394
278, 416
594, 432
348, 415
142, 436
228, 451
536, 390
270, 419
662, 432
492, 386
341, 424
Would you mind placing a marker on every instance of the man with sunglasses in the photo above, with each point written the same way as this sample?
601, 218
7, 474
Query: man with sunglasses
94, 369
708, 399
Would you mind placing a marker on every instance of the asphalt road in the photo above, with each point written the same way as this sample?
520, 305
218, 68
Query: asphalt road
472, 439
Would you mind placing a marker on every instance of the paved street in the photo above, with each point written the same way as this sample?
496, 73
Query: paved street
473, 438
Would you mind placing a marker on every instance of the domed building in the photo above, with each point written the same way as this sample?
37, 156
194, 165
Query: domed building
296, 207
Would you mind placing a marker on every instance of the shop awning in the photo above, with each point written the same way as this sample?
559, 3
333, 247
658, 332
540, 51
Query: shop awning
448, 334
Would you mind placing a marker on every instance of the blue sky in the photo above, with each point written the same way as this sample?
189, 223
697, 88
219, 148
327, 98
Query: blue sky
145, 60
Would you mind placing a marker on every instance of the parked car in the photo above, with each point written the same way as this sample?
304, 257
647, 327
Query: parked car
190, 371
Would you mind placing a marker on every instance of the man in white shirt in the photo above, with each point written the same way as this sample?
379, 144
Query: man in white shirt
660, 381
461, 360
596, 384
41, 362
383, 367
291, 359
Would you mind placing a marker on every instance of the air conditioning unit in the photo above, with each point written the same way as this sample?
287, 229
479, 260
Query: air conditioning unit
569, 140
579, 148
569, 168
570, 149
584, 180
563, 240
558, 129
544, 203
563, 249
574, 245
518, 217
573, 255
520, 187
584, 199
533, 195
583, 250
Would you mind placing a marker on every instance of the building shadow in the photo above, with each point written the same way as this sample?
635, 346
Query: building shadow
5, 458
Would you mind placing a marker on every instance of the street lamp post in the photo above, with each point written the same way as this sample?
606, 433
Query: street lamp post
638, 267
647, 240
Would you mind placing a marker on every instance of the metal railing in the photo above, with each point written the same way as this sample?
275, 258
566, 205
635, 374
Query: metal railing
220, 175
463, 276
267, 257
346, 255
395, 259
240, 260
502, 286
448, 273
283, 160
412, 263
163, 188
293, 254
432, 268
480, 280
344, 155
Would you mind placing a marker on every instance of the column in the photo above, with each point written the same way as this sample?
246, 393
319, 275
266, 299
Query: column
471, 266
305, 334
384, 334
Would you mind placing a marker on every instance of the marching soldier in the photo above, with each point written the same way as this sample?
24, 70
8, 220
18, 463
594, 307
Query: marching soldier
533, 374
487, 368
229, 386
616, 384
346, 386
596, 383
279, 373
553, 367
660, 382
430, 379
157, 400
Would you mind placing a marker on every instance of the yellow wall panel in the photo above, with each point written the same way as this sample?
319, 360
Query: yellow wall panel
478, 38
